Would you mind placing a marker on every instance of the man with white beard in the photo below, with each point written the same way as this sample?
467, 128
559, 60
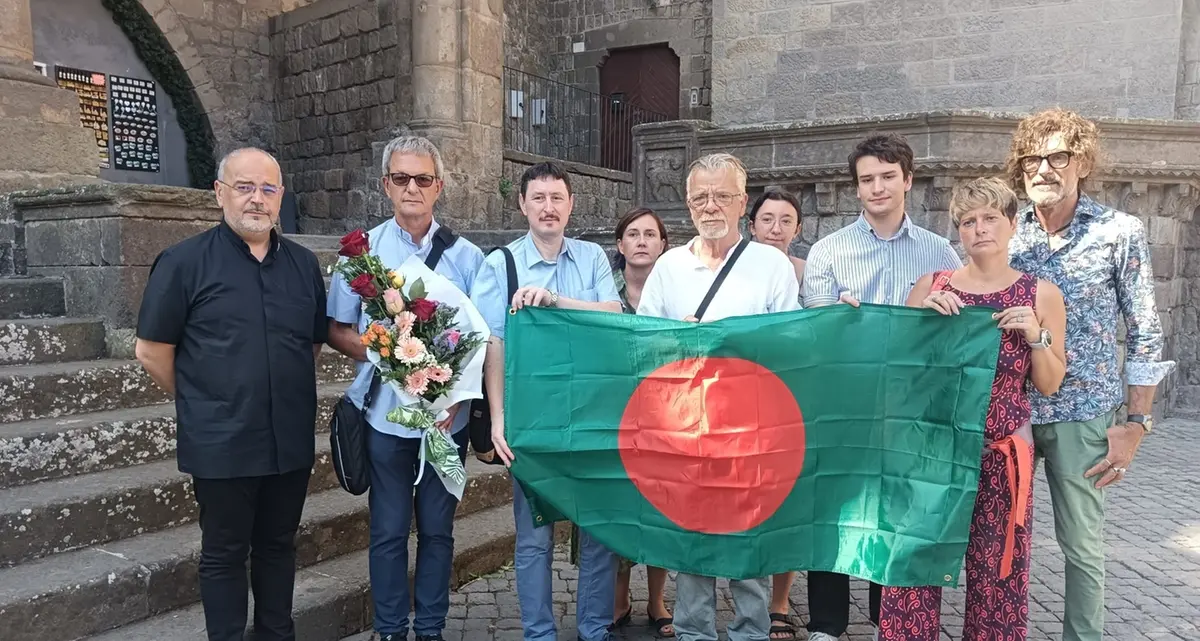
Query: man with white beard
759, 279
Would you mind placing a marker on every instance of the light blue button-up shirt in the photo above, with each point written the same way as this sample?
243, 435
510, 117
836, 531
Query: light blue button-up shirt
394, 245
876, 270
581, 271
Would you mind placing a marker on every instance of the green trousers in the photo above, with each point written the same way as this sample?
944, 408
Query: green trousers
1069, 449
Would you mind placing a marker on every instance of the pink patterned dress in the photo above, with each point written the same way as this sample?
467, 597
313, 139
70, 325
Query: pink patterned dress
997, 562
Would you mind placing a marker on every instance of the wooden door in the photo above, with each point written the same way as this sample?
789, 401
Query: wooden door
637, 85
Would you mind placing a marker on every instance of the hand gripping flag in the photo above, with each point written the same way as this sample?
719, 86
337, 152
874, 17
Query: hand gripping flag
838, 439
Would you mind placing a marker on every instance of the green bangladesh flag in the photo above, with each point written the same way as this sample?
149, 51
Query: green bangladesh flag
838, 439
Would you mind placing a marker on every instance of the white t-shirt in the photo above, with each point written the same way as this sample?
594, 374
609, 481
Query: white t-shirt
761, 281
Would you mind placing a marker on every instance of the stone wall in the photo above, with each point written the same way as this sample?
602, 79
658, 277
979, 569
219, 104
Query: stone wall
791, 60
529, 37
601, 195
1151, 173
224, 48
342, 87
586, 30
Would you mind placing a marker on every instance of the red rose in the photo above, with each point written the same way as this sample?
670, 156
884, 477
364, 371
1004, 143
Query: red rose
354, 244
364, 286
423, 308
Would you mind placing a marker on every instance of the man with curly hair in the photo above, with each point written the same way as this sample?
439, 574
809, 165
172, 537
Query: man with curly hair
1100, 259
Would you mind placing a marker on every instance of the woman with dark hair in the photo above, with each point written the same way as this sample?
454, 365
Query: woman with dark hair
641, 238
775, 221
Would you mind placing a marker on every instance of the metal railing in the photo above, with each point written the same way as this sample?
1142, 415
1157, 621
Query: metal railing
550, 118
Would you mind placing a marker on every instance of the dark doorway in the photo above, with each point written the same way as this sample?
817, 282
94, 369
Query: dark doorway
637, 85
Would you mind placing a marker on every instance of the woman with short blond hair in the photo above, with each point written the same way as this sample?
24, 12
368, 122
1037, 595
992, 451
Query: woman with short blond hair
1032, 318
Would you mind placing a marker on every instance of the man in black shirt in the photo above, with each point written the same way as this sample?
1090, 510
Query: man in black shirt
231, 323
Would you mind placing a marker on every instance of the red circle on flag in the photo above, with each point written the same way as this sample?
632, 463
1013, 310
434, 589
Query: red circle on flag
715, 444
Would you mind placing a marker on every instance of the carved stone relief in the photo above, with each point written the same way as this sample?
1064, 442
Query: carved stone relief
664, 176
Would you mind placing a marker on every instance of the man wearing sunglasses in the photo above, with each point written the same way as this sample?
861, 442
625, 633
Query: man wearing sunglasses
1100, 259
231, 322
412, 178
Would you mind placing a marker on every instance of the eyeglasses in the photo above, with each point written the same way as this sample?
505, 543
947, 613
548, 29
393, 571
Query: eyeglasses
722, 200
1058, 160
248, 189
401, 180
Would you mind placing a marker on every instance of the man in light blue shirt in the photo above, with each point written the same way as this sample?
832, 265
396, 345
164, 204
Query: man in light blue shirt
412, 177
552, 271
876, 259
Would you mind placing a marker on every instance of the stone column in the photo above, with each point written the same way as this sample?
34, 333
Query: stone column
457, 58
42, 143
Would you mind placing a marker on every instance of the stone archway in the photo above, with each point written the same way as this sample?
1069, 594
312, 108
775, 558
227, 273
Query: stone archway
149, 35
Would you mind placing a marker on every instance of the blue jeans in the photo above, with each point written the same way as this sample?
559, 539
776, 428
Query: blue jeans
535, 580
393, 499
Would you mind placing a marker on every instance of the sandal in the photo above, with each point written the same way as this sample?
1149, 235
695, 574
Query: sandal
624, 620
782, 627
660, 625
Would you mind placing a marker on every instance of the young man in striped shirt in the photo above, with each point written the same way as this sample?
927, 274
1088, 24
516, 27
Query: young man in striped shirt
875, 259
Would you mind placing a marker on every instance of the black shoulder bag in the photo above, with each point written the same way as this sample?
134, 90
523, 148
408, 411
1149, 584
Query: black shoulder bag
712, 291
479, 424
348, 425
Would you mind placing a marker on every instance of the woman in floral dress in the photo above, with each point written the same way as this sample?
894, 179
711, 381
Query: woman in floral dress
1031, 314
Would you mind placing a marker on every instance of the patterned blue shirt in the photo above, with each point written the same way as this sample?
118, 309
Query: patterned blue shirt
876, 270
1103, 270
581, 271
394, 245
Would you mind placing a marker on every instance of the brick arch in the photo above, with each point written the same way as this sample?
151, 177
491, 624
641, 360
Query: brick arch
148, 31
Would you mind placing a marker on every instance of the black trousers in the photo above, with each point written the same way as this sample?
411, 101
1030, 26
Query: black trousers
253, 517
829, 603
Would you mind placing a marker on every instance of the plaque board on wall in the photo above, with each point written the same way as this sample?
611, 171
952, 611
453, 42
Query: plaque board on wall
134, 124
93, 103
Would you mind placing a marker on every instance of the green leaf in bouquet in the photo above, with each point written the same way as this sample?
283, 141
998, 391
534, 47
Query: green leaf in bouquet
444, 458
416, 290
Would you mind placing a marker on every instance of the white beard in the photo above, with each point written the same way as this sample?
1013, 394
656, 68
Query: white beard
713, 233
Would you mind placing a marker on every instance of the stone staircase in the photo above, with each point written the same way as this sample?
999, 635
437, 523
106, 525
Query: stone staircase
100, 539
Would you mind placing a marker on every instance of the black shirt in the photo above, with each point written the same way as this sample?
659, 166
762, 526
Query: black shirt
245, 377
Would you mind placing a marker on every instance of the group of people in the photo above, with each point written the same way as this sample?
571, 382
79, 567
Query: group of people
233, 320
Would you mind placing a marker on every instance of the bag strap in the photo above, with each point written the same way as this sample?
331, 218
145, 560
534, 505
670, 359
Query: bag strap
510, 265
712, 291
376, 379
443, 238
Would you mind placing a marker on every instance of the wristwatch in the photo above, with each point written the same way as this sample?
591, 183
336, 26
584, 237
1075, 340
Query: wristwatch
554, 299
1043, 342
1145, 420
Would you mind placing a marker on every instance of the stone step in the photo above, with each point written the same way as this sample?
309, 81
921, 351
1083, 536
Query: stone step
52, 448
51, 340
31, 297
48, 390
78, 511
333, 598
104, 587
325, 247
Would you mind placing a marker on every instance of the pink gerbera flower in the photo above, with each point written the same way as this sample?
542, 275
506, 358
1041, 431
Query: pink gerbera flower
416, 383
439, 373
404, 323
410, 350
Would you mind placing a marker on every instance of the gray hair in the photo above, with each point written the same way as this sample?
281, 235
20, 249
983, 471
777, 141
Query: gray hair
229, 156
720, 162
412, 145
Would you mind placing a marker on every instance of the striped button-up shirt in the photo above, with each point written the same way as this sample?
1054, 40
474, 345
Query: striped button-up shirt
855, 260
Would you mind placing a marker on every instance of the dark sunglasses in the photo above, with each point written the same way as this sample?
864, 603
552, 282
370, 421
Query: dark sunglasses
401, 180
1058, 160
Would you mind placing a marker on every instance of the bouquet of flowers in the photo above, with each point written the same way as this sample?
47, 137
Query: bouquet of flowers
423, 335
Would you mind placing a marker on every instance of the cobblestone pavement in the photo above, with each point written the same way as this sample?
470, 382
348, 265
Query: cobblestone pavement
1153, 562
